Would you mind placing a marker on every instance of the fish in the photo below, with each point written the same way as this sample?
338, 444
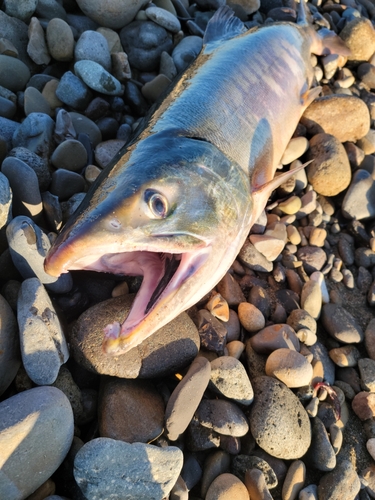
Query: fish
177, 204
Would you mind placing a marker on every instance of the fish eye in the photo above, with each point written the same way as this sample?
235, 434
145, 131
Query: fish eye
157, 203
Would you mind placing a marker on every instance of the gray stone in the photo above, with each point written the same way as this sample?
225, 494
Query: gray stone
341, 483
10, 359
229, 379
70, 155
135, 470
253, 259
36, 431
84, 125
7, 108
320, 353
66, 183
34, 161
73, 91
36, 134
28, 247
320, 455
8, 129
37, 48
242, 463
60, 40
97, 78
340, 324
359, 200
92, 46
186, 51
5, 201
223, 417
35, 102
49, 9
115, 14
164, 18
21, 10
14, 74
278, 421
43, 345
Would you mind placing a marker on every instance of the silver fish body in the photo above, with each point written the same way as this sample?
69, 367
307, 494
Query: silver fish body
177, 206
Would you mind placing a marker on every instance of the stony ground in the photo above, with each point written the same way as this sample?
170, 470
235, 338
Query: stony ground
266, 388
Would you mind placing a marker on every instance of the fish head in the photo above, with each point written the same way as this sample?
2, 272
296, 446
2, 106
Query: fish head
174, 210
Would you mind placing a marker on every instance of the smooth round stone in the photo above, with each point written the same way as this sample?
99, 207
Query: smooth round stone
93, 46
8, 128
289, 366
60, 40
250, 257
133, 398
49, 9
97, 78
227, 487
28, 247
299, 318
242, 463
113, 39
363, 405
5, 201
154, 89
107, 150
91, 173
268, 246
256, 484
294, 480
367, 372
341, 483
311, 298
313, 258
359, 199
320, 455
370, 445
7, 108
66, 183
9, 345
83, 125
43, 345
36, 163
328, 114
291, 205
215, 464
230, 290
111, 13
278, 421
36, 134
37, 48
34, 102
36, 431
345, 356
24, 183
274, 337
14, 74
164, 352
370, 339
250, 317
72, 91
330, 172
70, 155
143, 42
164, 19
21, 10
359, 37
186, 397
223, 417
229, 379
341, 325
186, 51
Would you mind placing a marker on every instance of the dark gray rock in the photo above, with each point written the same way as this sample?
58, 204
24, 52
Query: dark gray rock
8, 129
320, 455
7, 108
66, 183
223, 417
5, 201
70, 155
186, 51
92, 46
72, 91
34, 161
16, 31
36, 134
14, 74
49, 9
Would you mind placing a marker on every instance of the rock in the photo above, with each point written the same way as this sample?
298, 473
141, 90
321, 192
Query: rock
186, 397
133, 398
359, 36
143, 42
66, 183
113, 14
320, 455
329, 173
37, 48
289, 366
358, 202
43, 345
229, 379
363, 405
72, 91
294, 480
256, 485
230, 290
60, 40
7, 108
311, 298
242, 463
341, 325
274, 337
186, 51
345, 356
34, 102
21, 10
253, 259
14, 74
36, 431
16, 32
313, 258
278, 421
250, 317
93, 46
155, 88
226, 487
370, 339
167, 350
367, 372
126, 470
343, 482
36, 134
212, 332
70, 155
5, 201
83, 125
223, 417
49, 9
9, 345
164, 19
201, 438
215, 464
327, 114
299, 318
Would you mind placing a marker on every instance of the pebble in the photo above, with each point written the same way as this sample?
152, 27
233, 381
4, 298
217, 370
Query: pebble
36, 134
212, 332
268, 246
363, 405
294, 480
93, 46
226, 487
52, 210
229, 379
36, 432
9, 340
358, 201
330, 172
370, 339
43, 345
60, 40
289, 366
186, 397
313, 258
83, 125
274, 337
164, 18
367, 373
73, 92
136, 470
242, 463
186, 51
299, 318
28, 247
250, 257
173, 346
97, 78
14, 74
143, 42
341, 483
341, 325
155, 88
66, 183
230, 290
50, 9
345, 356
224, 417
215, 464
22, 11
34, 102
113, 39
311, 298
132, 398
296, 148
358, 35
37, 48
70, 155
251, 318
278, 421
327, 114
115, 15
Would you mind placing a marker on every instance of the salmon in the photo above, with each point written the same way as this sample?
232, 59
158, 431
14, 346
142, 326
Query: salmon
177, 205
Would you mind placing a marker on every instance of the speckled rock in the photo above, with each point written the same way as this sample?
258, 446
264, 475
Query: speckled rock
359, 36
340, 324
92, 46
97, 78
167, 350
111, 13
128, 470
229, 378
278, 421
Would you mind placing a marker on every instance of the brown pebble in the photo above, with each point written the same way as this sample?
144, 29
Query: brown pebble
363, 405
289, 366
230, 290
294, 480
256, 485
275, 337
218, 307
227, 487
250, 317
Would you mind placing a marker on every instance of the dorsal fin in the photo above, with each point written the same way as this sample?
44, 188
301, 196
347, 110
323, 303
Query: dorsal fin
301, 14
223, 25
